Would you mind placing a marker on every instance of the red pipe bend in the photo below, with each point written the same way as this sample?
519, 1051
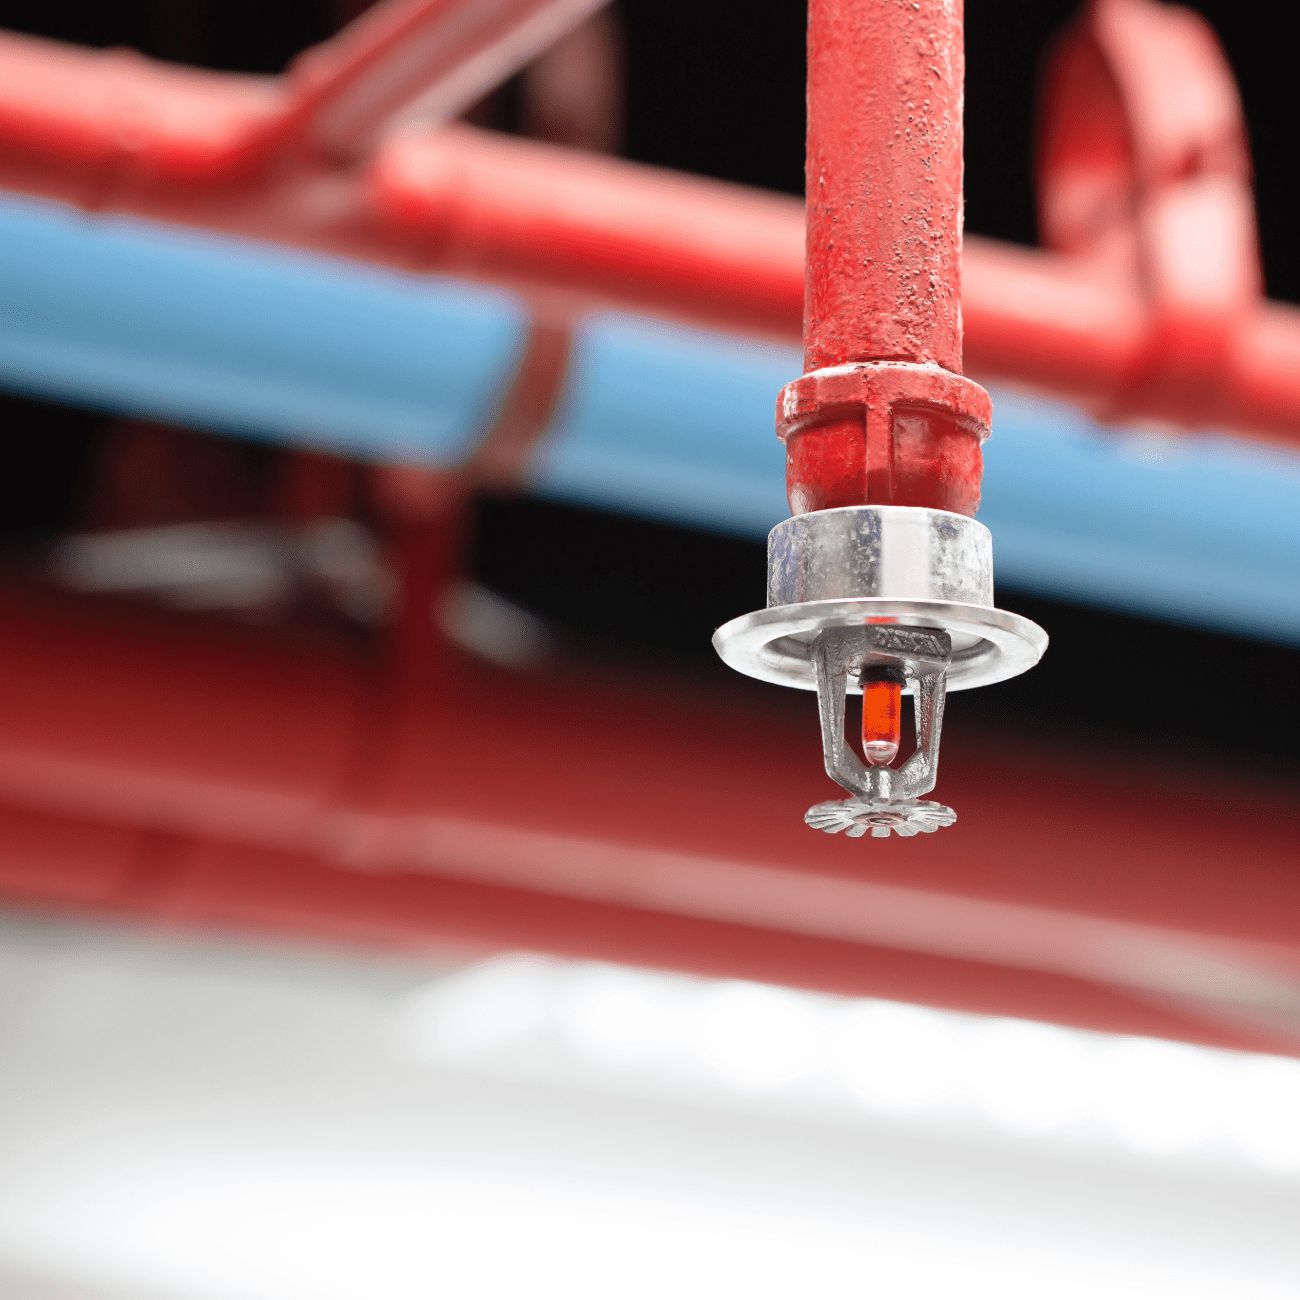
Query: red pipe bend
590, 230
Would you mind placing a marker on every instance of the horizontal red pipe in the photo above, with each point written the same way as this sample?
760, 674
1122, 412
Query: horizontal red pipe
117, 133
603, 226
500, 207
201, 883
174, 769
96, 113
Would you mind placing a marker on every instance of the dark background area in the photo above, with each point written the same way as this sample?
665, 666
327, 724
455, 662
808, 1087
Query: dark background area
717, 88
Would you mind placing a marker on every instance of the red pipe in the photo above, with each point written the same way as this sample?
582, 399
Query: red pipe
884, 201
500, 207
425, 58
882, 414
115, 132
1144, 174
173, 767
78, 121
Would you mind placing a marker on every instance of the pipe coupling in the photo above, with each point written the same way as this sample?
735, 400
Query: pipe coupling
883, 433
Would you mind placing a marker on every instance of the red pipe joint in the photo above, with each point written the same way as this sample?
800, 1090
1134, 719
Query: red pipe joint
882, 414
883, 433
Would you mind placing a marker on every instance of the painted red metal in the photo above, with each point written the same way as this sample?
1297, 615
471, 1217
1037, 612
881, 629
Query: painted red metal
112, 114
1144, 172
425, 59
884, 432
500, 207
74, 122
602, 230
883, 174
115, 132
184, 770
883, 414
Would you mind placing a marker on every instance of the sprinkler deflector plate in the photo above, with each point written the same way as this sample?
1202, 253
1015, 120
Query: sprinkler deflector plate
775, 645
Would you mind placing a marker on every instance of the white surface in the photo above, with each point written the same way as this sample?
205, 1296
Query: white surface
186, 1118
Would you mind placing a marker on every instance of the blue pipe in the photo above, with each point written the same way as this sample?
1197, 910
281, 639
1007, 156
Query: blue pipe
224, 334
675, 423
655, 419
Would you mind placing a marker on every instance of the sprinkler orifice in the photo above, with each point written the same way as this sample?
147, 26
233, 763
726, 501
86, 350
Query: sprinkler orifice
881, 582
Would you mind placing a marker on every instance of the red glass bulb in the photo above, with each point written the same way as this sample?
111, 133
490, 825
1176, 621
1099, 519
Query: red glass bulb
881, 704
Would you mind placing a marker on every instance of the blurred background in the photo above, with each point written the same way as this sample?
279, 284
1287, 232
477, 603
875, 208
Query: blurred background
400, 898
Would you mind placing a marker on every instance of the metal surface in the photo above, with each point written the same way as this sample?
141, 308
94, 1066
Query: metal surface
882, 413
882, 562
1144, 170
880, 584
857, 817
884, 183
900, 552
884, 798
874, 548
774, 645
890, 432
421, 60
866, 565
839, 655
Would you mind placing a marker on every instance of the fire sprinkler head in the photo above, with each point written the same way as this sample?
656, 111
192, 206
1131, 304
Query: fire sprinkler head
882, 601
881, 598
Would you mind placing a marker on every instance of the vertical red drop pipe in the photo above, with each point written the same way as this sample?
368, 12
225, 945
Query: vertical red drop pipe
882, 414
